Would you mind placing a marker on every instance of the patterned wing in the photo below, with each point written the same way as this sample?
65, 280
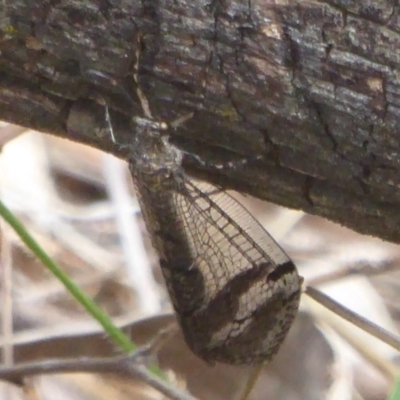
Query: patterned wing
251, 289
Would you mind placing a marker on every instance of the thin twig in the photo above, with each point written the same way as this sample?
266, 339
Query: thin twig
155, 344
360, 344
354, 318
129, 365
251, 380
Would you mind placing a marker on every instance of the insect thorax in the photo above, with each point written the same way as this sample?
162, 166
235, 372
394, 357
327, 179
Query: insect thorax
152, 153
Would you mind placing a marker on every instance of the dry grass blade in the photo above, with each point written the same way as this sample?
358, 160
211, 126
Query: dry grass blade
124, 365
357, 320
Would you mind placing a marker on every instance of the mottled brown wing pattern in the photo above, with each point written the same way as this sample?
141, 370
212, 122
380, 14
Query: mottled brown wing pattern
251, 288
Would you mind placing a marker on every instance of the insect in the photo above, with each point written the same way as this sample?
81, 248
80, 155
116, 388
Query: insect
234, 290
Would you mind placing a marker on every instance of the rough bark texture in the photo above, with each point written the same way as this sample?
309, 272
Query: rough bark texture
313, 86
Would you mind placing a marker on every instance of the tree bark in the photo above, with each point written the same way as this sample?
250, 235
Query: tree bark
312, 87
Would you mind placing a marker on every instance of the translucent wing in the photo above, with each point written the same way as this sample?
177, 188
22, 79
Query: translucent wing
251, 288
223, 235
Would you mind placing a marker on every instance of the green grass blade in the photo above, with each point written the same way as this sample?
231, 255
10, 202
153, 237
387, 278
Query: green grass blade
91, 307
395, 395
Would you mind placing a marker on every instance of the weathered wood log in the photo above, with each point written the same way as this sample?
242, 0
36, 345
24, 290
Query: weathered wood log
313, 87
